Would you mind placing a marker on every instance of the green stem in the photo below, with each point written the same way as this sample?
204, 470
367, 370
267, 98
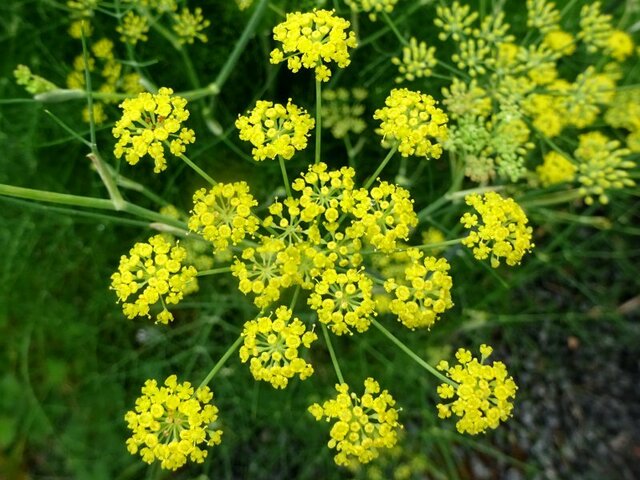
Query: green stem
383, 164
285, 178
197, 169
214, 271
87, 202
216, 368
332, 354
318, 120
107, 179
411, 354
550, 199
393, 28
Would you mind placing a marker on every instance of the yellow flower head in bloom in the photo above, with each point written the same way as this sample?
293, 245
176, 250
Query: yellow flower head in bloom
389, 217
418, 61
189, 25
322, 192
155, 272
424, 292
312, 40
150, 122
602, 166
274, 129
501, 231
343, 300
342, 111
272, 347
485, 393
373, 7
363, 425
620, 45
258, 271
223, 215
172, 423
560, 42
411, 121
556, 168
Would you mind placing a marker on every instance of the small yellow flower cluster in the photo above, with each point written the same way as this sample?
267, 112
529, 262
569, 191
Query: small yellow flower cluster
363, 426
595, 27
423, 293
373, 7
485, 392
560, 42
410, 122
390, 218
154, 271
602, 166
172, 423
274, 129
312, 40
223, 215
418, 61
189, 25
501, 231
271, 346
111, 79
147, 124
556, 168
81, 13
344, 300
342, 111
34, 84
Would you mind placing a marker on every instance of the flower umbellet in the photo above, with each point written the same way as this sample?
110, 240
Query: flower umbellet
275, 129
149, 123
153, 273
271, 346
363, 424
501, 232
483, 393
172, 423
313, 40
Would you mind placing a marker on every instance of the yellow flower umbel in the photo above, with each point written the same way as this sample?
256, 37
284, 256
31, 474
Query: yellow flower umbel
133, 29
556, 168
602, 167
312, 40
424, 292
223, 215
595, 27
149, 123
155, 272
172, 423
560, 42
363, 425
484, 393
372, 7
274, 129
344, 300
501, 231
271, 346
418, 61
620, 45
411, 122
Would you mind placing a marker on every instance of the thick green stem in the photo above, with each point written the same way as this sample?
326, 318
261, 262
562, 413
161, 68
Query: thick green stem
318, 120
107, 180
412, 355
214, 271
332, 354
383, 164
87, 202
216, 368
550, 199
